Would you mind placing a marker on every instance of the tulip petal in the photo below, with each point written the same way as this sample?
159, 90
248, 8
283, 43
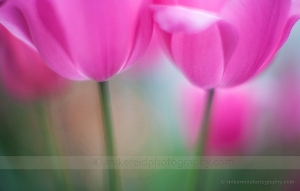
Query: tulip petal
100, 41
261, 26
96, 44
23, 72
295, 8
23, 19
55, 49
175, 19
294, 16
11, 17
211, 5
142, 35
203, 57
200, 45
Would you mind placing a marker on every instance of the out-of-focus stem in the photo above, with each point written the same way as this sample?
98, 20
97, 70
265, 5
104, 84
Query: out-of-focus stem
113, 173
202, 138
198, 175
53, 150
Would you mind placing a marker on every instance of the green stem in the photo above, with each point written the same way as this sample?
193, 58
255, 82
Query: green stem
113, 178
199, 174
51, 143
202, 139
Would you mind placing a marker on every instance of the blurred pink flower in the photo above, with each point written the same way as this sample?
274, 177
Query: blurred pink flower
224, 42
23, 72
150, 60
82, 40
229, 132
285, 102
288, 109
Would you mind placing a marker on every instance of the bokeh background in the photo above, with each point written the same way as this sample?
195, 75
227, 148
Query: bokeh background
155, 111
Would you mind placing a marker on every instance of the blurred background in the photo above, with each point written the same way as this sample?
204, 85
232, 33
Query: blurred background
156, 112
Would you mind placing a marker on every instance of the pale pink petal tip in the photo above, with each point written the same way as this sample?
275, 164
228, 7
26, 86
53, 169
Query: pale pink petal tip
182, 19
295, 10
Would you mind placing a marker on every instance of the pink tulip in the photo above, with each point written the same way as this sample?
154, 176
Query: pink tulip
79, 39
23, 72
222, 43
229, 132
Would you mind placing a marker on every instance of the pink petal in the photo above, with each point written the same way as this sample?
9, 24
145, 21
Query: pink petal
142, 35
174, 19
202, 57
90, 39
23, 19
295, 8
93, 36
14, 19
201, 50
150, 60
294, 16
211, 5
23, 72
82, 40
262, 27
